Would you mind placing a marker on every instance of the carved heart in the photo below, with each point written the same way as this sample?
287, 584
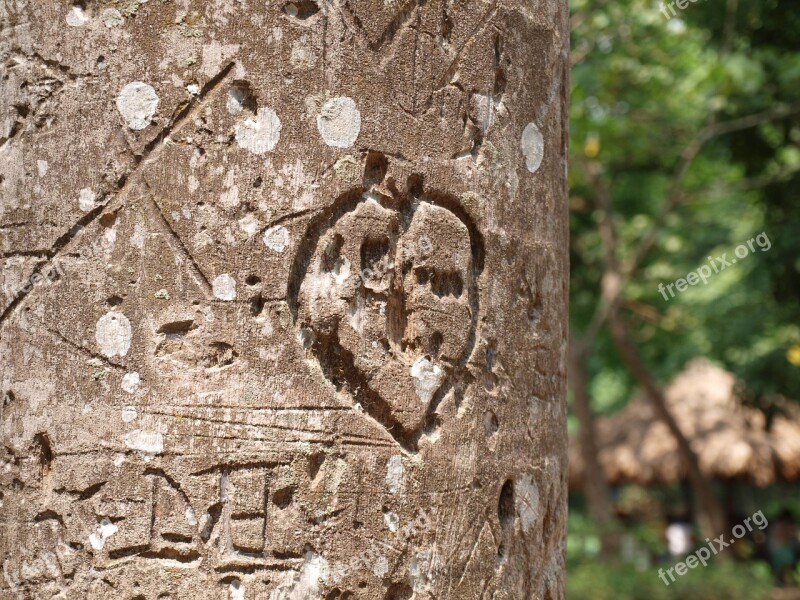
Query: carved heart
386, 300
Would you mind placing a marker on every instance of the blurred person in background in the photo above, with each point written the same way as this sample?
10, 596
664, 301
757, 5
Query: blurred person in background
679, 535
783, 546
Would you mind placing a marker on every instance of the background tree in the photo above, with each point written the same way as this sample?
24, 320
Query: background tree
685, 138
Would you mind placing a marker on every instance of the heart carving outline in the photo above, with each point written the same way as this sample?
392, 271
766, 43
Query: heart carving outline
430, 304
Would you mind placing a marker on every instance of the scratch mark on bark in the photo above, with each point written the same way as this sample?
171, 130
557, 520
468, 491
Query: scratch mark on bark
125, 182
237, 423
471, 554
292, 216
369, 444
255, 410
238, 466
29, 253
557, 78
49, 63
390, 33
82, 349
399, 22
51, 86
444, 80
19, 224
181, 249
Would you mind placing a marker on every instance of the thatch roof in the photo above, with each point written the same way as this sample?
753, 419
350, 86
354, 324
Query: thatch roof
730, 439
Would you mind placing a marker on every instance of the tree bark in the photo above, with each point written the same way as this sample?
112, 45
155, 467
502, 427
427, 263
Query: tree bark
284, 299
597, 491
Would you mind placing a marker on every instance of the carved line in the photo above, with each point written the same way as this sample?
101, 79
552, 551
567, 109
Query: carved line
388, 35
82, 349
124, 183
200, 276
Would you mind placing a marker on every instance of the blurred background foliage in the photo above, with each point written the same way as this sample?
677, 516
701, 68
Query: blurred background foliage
690, 128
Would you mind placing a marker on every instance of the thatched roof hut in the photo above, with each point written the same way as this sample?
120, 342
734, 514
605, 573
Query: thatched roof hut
730, 440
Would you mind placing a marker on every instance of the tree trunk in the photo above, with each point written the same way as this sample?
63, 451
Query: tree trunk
710, 514
284, 299
596, 489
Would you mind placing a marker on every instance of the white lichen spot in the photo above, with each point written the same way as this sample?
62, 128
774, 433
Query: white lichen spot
137, 103
130, 382
111, 17
483, 109
86, 199
193, 89
149, 442
113, 334
129, 414
427, 378
224, 287
306, 337
394, 473
236, 100
230, 194
110, 237
237, 590
305, 584
261, 134
105, 529
341, 270
206, 524
339, 122
139, 236
76, 17
119, 460
190, 517
532, 147
302, 55
381, 567
41, 168
392, 521
276, 238
527, 500
249, 225
420, 571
